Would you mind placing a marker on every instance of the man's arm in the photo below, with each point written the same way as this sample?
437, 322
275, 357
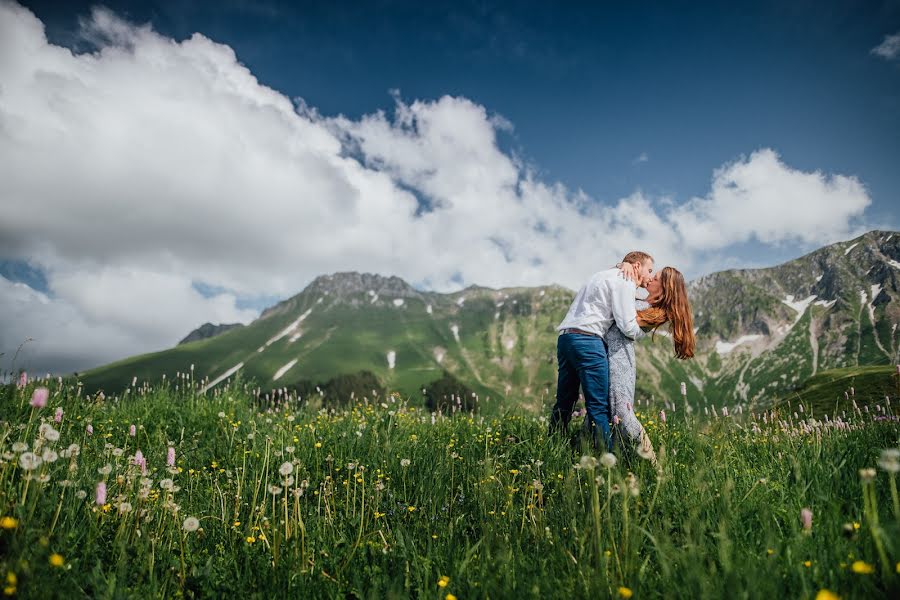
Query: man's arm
624, 312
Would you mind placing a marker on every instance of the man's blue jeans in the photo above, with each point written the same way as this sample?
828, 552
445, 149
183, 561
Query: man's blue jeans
583, 362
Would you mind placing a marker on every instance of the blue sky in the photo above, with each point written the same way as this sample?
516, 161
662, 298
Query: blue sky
209, 158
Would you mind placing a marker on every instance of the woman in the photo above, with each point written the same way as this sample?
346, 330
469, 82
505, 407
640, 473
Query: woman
666, 301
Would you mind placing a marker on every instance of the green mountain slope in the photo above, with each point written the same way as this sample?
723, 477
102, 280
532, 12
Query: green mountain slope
761, 333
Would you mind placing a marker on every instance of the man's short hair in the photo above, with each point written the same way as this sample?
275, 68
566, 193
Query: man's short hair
636, 257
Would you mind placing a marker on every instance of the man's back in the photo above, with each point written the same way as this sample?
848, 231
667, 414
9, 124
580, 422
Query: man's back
607, 298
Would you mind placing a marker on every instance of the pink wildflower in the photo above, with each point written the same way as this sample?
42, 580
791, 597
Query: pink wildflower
170, 457
23, 378
101, 493
662, 416
90, 429
39, 397
806, 519
132, 431
616, 419
59, 414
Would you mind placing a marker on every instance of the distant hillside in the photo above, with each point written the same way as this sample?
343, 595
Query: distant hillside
208, 330
762, 333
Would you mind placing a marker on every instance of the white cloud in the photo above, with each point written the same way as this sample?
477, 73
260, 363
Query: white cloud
889, 48
128, 173
641, 158
761, 198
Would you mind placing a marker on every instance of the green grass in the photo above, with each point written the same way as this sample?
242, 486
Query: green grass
487, 501
825, 391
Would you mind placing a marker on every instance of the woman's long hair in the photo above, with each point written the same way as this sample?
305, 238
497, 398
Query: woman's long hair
673, 306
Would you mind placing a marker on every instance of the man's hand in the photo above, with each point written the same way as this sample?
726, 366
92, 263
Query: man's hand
630, 272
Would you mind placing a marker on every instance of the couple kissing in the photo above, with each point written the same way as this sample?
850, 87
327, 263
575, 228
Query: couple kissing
595, 347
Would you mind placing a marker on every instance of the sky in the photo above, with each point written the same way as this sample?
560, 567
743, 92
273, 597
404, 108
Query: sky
165, 164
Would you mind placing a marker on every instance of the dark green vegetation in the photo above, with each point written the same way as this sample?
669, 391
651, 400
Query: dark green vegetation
380, 501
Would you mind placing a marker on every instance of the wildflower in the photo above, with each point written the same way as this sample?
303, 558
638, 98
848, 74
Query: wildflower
662, 416
192, 524
807, 563
23, 378
806, 517
124, 507
826, 595
625, 592
167, 484
404, 462
274, 490
411, 508
318, 444
49, 456
29, 461
608, 460
170, 457
250, 539
57, 560
132, 431
286, 469
450, 597
105, 469
9, 523
89, 429
443, 581
100, 497
39, 397
587, 462
867, 475
20, 447
81, 494
862, 567
890, 460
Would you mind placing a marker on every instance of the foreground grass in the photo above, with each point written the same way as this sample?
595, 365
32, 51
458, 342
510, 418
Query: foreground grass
382, 500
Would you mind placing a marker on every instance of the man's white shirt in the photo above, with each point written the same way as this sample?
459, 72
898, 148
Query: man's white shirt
607, 298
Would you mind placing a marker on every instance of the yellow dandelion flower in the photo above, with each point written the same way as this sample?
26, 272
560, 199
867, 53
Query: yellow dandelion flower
318, 444
9, 590
261, 535
769, 551
237, 523
807, 564
855, 525
514, 471
607, 553
826, 595
450, 597
862, 567
443, 581
411, 508
11, 578
250, 539
9, 522
57, 560
625, 592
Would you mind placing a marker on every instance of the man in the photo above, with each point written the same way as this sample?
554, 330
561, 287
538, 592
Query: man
581, 353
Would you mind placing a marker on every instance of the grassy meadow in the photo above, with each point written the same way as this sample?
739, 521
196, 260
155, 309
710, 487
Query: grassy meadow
162, 492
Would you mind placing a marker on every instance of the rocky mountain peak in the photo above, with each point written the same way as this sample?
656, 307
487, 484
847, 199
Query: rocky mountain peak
342, 285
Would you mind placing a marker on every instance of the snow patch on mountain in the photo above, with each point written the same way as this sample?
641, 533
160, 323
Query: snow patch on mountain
398, 302
222, 377
392, 359
455, 329
726, 347
847, 251
283, 370
439, 354
289, 328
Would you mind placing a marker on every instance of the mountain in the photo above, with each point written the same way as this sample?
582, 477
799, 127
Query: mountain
761, 333
208, 330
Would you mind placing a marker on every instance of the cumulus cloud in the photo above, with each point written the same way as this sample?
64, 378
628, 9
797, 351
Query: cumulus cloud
131, 173
889, 48
759, 197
